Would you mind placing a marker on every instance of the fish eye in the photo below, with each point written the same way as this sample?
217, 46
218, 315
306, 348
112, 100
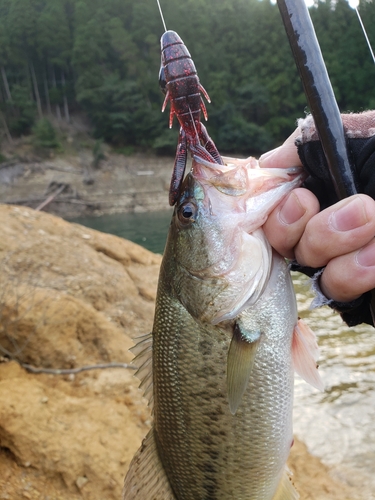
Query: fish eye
187, 212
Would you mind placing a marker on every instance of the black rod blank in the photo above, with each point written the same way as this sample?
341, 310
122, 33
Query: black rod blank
319, 93
320, 98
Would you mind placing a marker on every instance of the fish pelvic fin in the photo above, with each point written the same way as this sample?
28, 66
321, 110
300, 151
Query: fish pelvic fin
240, 362
143, 359
146, 478
305, 353
286, 490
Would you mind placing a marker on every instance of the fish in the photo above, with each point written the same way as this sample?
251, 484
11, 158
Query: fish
218, 367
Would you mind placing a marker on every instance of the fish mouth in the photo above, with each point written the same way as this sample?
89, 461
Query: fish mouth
243, 177
239, 194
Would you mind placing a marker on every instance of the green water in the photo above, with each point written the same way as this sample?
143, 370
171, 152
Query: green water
337, 425
147, 229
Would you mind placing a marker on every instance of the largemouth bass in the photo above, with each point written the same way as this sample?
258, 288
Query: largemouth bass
219, 365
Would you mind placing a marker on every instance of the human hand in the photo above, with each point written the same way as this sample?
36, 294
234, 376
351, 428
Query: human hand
341, 237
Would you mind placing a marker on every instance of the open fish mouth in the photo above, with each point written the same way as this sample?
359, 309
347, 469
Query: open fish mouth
239, 176
243, 192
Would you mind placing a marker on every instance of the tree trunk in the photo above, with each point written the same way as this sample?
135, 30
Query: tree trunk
36, 91
6, 85
58, 112
6, 129
66, 108
46, 91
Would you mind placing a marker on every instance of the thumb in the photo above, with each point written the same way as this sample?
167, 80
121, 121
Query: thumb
284, 156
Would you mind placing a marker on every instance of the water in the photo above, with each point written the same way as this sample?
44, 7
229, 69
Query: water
147, 229
337, 425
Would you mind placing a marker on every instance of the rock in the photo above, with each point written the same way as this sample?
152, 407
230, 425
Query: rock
81, 481
72, 437
71, 296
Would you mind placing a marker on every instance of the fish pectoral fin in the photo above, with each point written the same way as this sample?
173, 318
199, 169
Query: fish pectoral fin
143, 359
146, 478
305, 353
240, 362
286, 490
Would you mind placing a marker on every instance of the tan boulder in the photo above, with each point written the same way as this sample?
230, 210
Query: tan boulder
69, 296
86, 442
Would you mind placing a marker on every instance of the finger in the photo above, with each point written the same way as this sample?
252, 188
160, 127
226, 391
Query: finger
284, 156
338, 230
286, 224
349, 276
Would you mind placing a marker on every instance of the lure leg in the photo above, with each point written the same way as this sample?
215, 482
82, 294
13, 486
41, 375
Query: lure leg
201, 152
178, 168
209, 145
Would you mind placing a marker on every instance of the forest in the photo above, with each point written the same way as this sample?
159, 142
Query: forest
102, 59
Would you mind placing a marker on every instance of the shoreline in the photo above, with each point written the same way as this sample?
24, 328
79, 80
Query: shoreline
70, 187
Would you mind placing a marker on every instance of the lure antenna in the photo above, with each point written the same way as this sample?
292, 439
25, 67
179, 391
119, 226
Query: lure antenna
161, 14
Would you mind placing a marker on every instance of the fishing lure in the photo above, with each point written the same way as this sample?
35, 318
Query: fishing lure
179, 82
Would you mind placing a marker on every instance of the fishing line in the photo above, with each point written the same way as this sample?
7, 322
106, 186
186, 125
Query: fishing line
161, 13
193, 122
364, 32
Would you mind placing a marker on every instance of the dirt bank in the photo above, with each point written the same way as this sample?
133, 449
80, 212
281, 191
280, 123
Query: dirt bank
71, 296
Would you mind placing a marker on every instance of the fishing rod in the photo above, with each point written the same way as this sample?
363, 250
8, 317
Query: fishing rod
319, 93
321, 99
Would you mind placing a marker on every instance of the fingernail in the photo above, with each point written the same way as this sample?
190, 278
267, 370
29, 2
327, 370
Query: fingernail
292, 210
350, 216
366, 256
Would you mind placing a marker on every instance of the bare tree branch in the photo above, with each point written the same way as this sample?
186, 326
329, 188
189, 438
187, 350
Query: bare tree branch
69, 371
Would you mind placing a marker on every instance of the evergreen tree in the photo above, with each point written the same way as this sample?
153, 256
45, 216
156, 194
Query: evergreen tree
104, 58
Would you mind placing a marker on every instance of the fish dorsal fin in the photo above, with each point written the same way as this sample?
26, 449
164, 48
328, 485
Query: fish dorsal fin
305, 353
286, 490
146, 478
143, 359
240, 362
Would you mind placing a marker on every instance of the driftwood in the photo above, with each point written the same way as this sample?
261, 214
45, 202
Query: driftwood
52, 196
70, 371
29, 201
61, 169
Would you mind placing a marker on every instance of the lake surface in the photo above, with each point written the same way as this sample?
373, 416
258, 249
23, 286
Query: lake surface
147, 229
338, 425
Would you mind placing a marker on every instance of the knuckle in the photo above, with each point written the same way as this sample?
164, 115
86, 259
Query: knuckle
312, 248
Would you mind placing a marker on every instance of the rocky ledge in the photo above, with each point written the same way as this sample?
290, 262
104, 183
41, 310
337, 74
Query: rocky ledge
70, 186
